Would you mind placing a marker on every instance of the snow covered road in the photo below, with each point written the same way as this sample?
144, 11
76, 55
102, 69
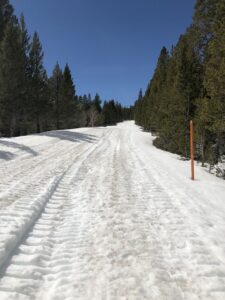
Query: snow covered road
99, 213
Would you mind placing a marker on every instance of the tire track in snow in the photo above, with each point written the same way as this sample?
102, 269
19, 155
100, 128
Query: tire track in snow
106, 234
42, 235
26, 172
191, 263
19, 181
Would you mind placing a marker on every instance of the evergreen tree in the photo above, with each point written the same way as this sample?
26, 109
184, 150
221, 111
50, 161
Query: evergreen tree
11, 80
55, 88
26, 108
168, 103
138, 112
214, 82
153, 96
189, 83
112, 112
68, 99
203, 20
6, 14
39, 94
97, 103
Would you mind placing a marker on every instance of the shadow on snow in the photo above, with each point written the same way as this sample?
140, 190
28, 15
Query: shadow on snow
18, 146
66, 135
71, 136
6, 155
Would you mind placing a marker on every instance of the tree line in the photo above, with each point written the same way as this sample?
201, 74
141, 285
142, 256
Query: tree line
189, 83
32, 102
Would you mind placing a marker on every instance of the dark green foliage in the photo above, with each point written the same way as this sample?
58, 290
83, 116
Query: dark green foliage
214, 86
26, 106
38, 85
112, 112
203, 21
31, 102
55, 89
6, 14
189, 83
97, 103
11, 81
68, 99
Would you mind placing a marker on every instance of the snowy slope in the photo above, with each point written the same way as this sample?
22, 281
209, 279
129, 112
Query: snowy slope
100, 213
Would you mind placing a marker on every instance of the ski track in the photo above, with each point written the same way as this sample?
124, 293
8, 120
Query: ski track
98, 222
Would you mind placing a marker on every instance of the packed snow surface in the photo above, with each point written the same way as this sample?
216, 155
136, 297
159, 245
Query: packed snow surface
99, 213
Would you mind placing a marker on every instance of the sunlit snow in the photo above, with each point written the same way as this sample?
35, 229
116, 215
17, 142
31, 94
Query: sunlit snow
99, 213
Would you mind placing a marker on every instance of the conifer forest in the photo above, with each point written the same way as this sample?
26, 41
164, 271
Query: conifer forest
109, 190
32, 102
189, 83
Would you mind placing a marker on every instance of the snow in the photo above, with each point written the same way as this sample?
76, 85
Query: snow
100, 213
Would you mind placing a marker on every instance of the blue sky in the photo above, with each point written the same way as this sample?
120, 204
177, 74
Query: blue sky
111, 46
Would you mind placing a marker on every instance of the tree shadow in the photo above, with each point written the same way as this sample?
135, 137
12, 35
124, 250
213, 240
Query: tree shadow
71, 136
60, 134
5, 155
18, 146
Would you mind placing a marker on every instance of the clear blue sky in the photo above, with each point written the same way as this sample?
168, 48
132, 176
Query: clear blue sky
111, 46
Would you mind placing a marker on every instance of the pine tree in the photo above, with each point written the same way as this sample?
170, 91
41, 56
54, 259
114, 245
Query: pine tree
168, 103
153, 96
11, 80
29, 101
26, 108
203, 21
110, 113
138, 113
214, 81
55, 87
187, 84
39, 95
68, 99
140, 95
6, 14
97, 103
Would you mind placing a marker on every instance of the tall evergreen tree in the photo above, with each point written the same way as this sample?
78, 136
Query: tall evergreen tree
38, 75
11, 80
189, 83
97, 103
203, 20
26, 108
55, 87
168, 103
138, 111
6, 14
68, 99
214, 81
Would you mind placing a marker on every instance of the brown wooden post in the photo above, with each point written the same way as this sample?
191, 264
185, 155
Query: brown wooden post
192, 150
